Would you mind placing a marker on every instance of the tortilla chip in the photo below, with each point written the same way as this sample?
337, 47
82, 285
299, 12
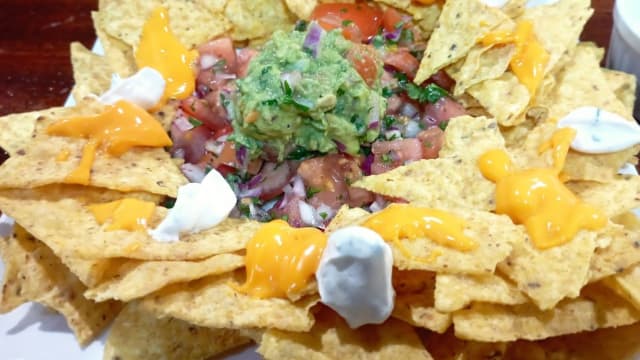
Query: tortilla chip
623, 85
412, 281
582, 83
578, 166
418, 310
124, 20
558, 26
134, 279
615, 197
492, 94
257, 19
603, 344
346, 216
628, 284
454, 292
302, 8
331, 338
119, 54
598, 307
622, 252
213, 302
41, 212
34, 273
138, 334
451, 181
480, 64
425, 17
550, 275
461, 24
91, 72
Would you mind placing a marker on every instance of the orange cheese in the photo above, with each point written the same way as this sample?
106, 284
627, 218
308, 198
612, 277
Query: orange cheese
403, 221
119, 128
538, 198
160, 49
530, 59
281, 259
126, 214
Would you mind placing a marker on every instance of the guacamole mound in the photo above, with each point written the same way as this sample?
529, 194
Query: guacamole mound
291, 100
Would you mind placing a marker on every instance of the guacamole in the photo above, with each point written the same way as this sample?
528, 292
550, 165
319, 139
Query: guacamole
299, 100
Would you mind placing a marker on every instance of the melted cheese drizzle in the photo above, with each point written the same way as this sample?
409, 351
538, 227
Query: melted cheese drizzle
126, 214
403, 221
161, 50
537, 198
281, 259
119, 128
529, 61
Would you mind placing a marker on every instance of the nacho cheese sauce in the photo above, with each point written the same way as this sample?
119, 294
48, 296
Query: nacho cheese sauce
160, 49
529, 62
599, 131
538, 199
281, 260
119, 128
144, 88
125, 214
199, 206
401, 221
354, 276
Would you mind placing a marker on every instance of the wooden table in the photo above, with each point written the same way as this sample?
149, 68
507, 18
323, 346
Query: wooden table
35, 69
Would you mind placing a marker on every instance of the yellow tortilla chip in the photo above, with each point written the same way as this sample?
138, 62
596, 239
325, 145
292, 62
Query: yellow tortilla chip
213, 302
622, 252
18, 129
302, 8
469, 137
492, 94
550, 275
412, 281
628, 284
460, 25
257, 19
91, 72
613, 197
558, 26
138, 334
623, 85
41, 212
118, 53
454, 292
598, 307
134, 279
418, 310
190, 21
480, 64
33, 273
425, 17
331, 338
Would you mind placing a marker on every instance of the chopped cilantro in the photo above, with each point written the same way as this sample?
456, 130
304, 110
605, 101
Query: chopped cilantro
340, 92
378, 41
244, 209
207, 169
285, 217
443, 125
195, 122
430, 93
387, 91
344, 10
323, 215
386, 158
301, 25
290, 99
388, 121
406, 36
271, 102
312, 191
169, 202
346, 22
300, 153
219, 65
365, 150
428, 144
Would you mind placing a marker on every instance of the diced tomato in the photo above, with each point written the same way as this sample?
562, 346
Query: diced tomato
364, 60
244, 57
274, 178
221, 49
442, 110
432, 140
203, 111
391, 19
403, 61
225, 130
391, 154
367, 18
225, 170
227, 155
442, 79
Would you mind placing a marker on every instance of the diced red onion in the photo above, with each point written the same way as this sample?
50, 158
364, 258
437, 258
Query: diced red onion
378, 205
312, 40
207, 61
245, 192
308, 213
394, 35
392, 134
225, 76
340, 146
374, 124
366, 164
292, 78
412, 129
215, 146
374, 113
254, 181
182, 123
241, 156
409, 110
193, 172
298, 186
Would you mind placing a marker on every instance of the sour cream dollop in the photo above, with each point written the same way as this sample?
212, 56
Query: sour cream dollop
144, 88
199, 206
599, 131
6, 225
354, 276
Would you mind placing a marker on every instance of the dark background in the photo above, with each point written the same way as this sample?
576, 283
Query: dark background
35, 69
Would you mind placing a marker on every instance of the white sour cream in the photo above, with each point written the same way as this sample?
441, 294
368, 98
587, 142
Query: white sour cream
599, 131
144, 88
495, 3
354, 276
199, 206
6, 225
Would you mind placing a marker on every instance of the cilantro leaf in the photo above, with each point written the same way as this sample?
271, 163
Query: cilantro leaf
430, 93
194, 122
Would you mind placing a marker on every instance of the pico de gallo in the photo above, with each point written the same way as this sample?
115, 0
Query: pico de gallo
293, 123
